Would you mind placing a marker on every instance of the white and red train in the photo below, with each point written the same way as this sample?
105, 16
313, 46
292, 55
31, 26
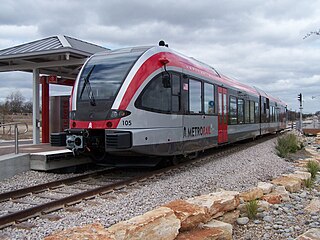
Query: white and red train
155, 101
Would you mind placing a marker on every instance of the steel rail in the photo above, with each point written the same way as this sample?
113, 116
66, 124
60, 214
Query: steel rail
29, 190
19, 216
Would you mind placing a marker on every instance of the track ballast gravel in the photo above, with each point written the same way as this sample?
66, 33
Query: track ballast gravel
238, 171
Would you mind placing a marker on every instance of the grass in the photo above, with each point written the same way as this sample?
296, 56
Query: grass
252, 209
313, 168
288, 144
309, 183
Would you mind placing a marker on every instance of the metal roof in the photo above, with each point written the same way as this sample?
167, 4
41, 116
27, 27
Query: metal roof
59, 55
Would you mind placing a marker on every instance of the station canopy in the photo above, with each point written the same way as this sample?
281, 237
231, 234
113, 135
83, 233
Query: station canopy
56, 59
56, 55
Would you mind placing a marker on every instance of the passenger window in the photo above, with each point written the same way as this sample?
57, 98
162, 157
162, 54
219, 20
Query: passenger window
247, 112
233, 110
240, 111
256, 112
195, 96
251, 111
156, 97
209, 98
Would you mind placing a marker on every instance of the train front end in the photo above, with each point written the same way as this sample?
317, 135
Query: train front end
94, 93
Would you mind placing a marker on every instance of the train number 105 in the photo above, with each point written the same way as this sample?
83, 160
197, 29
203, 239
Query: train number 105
126, 122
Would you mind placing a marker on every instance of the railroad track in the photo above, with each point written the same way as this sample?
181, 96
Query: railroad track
100, 183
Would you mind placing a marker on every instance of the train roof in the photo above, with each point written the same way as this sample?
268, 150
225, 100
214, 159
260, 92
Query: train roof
196, 67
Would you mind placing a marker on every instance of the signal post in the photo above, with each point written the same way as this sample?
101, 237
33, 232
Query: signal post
300, 119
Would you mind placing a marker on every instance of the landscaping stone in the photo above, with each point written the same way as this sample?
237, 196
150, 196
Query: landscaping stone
265, 187
272, 198
290, 183
202, 234
160, 223
230, 217
252, 194
311, 234
190, 215
226, 227
243, 220
91, 231
313, 206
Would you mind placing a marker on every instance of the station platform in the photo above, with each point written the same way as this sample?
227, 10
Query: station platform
40, 157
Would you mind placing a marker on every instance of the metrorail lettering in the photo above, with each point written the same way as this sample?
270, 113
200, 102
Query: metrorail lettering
197, 131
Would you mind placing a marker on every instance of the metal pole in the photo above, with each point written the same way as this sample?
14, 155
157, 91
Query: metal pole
300, 116
16, 139
36, 111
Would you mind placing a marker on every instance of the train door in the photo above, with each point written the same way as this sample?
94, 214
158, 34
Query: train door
222, 115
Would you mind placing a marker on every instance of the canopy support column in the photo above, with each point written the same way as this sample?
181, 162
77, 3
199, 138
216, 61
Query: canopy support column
36, 108
45, 110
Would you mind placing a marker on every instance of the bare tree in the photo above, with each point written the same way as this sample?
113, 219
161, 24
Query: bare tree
14, 102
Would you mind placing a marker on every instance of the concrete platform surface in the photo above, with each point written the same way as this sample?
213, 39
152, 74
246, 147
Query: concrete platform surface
41, 157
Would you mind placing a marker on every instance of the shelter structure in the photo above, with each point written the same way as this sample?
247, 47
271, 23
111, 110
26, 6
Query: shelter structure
52, 60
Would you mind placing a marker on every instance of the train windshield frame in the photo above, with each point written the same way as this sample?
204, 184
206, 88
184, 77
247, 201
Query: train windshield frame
103, 75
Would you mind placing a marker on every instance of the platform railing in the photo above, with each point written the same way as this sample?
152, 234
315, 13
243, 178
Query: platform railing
16, 133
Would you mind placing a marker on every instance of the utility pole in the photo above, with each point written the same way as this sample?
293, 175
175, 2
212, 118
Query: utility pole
300, 121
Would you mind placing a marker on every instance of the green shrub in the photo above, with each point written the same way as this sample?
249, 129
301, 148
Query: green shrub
309, 182
287, 144
313, 168
252, 209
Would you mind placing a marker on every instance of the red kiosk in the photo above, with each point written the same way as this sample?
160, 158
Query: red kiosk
52, 60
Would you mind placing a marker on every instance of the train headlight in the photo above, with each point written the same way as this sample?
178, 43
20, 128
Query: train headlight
118, 114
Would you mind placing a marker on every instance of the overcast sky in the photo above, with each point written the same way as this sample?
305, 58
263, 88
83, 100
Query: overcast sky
257, 42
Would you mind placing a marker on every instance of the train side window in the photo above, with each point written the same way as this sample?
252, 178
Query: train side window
251, 111
233, 110
256, 112
176, 86
247, 112
195, 96
240, 111
208, 98
155, 97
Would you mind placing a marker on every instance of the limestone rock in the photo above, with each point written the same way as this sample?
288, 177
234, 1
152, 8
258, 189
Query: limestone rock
300, 175
190, 215
226, 227
91, 231
217, 203
160, 223
243, 220
290, 183
242, 208
229, 200
265, 187
281, 190
263, 205
252, 194
202, 234
272, 198
311, 234
313, 206
230, 217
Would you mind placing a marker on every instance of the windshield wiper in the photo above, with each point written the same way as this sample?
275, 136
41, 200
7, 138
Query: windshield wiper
87, 82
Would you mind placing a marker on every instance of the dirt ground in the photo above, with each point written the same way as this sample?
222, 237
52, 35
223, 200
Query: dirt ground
7, 132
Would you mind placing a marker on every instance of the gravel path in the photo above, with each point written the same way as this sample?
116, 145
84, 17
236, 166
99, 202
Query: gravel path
238, 171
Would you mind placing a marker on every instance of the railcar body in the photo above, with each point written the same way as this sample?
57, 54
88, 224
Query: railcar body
155, 101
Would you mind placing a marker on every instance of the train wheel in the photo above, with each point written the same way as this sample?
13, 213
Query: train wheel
98, 156
175, 161
193, 155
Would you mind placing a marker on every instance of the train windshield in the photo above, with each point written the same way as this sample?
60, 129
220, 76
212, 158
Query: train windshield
103, 75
